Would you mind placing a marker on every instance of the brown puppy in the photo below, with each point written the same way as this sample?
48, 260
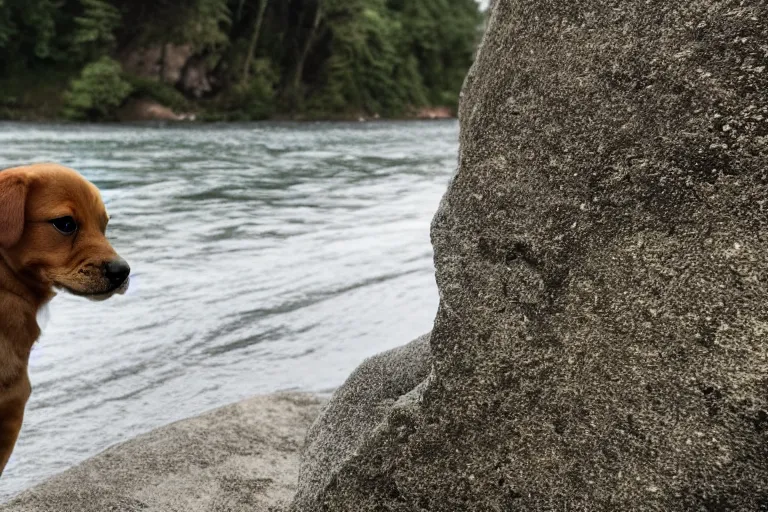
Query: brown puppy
52, 225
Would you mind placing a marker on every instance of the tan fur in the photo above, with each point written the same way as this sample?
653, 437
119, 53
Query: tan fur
35, 258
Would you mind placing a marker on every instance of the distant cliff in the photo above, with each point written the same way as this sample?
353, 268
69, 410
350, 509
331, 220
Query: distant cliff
233, 59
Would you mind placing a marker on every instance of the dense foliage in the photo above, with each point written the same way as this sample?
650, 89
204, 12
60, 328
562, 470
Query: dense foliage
99, 89
258, 58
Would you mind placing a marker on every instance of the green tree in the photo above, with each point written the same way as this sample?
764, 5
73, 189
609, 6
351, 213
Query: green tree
254, 41
98, 91
304, 36
323, 57
442, 35
366, 70
96, 26
27, 30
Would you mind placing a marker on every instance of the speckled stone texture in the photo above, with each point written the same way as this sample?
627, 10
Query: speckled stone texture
377, 386
240, 458
602, 258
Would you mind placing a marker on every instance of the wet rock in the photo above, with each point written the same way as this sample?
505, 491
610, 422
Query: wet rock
602, 260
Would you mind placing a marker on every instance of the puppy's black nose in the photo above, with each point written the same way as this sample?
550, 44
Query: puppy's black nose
117, 271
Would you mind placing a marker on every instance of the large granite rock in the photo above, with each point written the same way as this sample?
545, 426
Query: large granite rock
366, 398
242, 457
602, 259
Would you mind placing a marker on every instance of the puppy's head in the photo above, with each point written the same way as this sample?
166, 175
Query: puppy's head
52, 231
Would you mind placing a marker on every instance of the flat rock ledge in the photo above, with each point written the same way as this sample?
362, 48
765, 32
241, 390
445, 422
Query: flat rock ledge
240, 457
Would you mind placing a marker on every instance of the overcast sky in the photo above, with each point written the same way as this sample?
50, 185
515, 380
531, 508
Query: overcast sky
483, 3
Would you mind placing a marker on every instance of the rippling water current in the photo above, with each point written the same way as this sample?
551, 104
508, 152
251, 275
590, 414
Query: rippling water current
266, 257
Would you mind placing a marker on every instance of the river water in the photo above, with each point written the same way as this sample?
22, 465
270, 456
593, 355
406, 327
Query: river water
266, 257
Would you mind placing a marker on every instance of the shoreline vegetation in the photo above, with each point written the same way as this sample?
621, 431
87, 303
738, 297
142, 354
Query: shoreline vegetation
234, 60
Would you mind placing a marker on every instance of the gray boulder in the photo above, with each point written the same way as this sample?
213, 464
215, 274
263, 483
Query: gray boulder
194, 77
357, 407
602, 260
243, 457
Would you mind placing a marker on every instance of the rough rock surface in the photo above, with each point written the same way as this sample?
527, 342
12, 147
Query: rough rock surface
243, 457
194, 78
355, 409
147, 62
602, 259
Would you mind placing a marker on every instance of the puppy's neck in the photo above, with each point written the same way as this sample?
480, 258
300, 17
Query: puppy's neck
26, 288
20, 300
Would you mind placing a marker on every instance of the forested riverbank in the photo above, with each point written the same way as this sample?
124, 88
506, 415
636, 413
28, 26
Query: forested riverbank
235, 60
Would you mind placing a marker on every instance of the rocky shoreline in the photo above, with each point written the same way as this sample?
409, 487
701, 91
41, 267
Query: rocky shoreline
242, 457
245, 457
142, 110
147, 110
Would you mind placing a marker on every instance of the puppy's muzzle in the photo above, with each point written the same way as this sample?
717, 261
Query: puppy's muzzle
116, 272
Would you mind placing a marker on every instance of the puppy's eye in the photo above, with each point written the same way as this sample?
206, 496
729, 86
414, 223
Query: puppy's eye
65, 225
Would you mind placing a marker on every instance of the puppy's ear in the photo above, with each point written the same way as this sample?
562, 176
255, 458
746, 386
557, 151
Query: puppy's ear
13, 197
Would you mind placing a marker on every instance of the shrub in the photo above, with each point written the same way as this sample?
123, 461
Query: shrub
98, 91
250, 101
160, 92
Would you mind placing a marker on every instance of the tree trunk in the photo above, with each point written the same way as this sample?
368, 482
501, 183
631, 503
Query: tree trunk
163, 57
254, 41
240, 6
299, 69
